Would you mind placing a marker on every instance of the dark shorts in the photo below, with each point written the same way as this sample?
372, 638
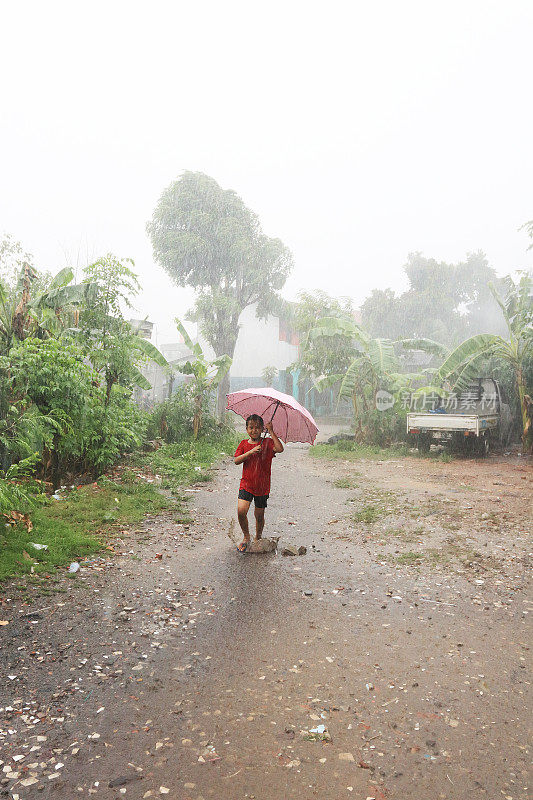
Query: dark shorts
260, 499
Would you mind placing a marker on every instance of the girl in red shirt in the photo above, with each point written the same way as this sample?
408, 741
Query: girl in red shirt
255, 455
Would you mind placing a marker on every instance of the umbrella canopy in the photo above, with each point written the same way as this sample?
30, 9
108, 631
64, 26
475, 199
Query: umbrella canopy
290, 421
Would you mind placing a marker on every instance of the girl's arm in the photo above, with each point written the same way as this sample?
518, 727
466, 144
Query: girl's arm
278, 446
244, 456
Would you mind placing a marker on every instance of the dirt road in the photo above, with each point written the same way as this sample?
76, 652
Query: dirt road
390, 662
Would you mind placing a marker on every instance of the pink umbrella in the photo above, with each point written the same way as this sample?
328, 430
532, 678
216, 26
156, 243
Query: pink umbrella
291, 421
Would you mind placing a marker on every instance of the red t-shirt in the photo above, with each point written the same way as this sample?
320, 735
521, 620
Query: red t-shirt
256, 469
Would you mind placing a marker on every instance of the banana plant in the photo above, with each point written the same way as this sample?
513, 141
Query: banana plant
13, 309
206, 374
145, 348
7, 309
517, 308
58, 306
375, 361
375, 364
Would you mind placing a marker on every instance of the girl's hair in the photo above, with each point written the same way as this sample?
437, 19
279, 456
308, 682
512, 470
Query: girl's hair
255, 418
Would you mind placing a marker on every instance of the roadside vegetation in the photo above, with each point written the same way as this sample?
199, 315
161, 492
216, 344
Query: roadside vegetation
351, 450
69, 364
377, 380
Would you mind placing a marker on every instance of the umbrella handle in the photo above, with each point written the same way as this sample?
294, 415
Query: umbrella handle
272, 417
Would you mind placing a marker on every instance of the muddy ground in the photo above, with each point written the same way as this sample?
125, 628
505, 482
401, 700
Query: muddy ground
390, 662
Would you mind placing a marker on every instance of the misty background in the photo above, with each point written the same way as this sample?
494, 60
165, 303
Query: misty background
357, 132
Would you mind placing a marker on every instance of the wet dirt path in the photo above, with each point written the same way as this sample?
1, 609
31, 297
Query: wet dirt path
204, 674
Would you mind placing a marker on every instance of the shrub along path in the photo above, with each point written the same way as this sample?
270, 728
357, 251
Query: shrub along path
389, 662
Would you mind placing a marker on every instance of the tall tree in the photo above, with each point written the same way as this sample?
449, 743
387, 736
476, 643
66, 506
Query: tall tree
328, 354
206, 237
112, 347
445, 302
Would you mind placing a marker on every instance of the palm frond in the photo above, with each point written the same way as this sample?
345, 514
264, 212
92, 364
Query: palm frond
23, 468
339, 326
325, 382
222, 365
12, 497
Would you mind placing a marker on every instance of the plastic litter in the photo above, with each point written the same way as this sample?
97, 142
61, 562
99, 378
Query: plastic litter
74, 567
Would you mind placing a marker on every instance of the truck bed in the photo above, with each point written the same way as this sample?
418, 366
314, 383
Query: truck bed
451, 422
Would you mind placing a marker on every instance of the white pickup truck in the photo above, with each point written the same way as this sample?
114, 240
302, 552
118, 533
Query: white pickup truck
473, 420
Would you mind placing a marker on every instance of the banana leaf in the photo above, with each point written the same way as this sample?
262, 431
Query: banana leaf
484, 344
222, 364
140, 381
381, 355
150, 350
196, 348
426, 345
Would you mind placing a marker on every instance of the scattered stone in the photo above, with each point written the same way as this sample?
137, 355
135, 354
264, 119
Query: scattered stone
123, 780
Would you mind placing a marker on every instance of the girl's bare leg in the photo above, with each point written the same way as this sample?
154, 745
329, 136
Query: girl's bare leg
242, 514
259, 522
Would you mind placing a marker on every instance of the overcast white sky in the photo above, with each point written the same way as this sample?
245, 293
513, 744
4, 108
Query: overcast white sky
358, 131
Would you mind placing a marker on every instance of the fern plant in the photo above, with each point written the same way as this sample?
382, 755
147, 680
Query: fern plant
12, 495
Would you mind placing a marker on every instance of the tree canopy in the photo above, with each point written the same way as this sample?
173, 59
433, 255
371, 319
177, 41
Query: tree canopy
327, 354
444, 302
207, 238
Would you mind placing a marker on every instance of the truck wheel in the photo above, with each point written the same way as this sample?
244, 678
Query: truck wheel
423, 443
483, 446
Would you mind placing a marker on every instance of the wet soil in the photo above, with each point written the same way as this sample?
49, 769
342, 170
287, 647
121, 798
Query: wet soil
390, 662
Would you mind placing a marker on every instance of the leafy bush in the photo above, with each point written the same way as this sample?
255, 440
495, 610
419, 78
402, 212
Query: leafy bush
173, 419
383, 428
105, 432
24, 427
13, 496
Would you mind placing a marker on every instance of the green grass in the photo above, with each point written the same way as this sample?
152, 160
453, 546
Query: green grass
351, 451
403, 534
85, 522
343, 483
77, 526
378, 503
348, 450
186, 462
368, 514
409, 558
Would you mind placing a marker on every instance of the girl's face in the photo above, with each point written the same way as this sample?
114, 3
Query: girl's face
254, 430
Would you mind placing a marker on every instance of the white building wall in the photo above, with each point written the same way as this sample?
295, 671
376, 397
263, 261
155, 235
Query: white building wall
258, 346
